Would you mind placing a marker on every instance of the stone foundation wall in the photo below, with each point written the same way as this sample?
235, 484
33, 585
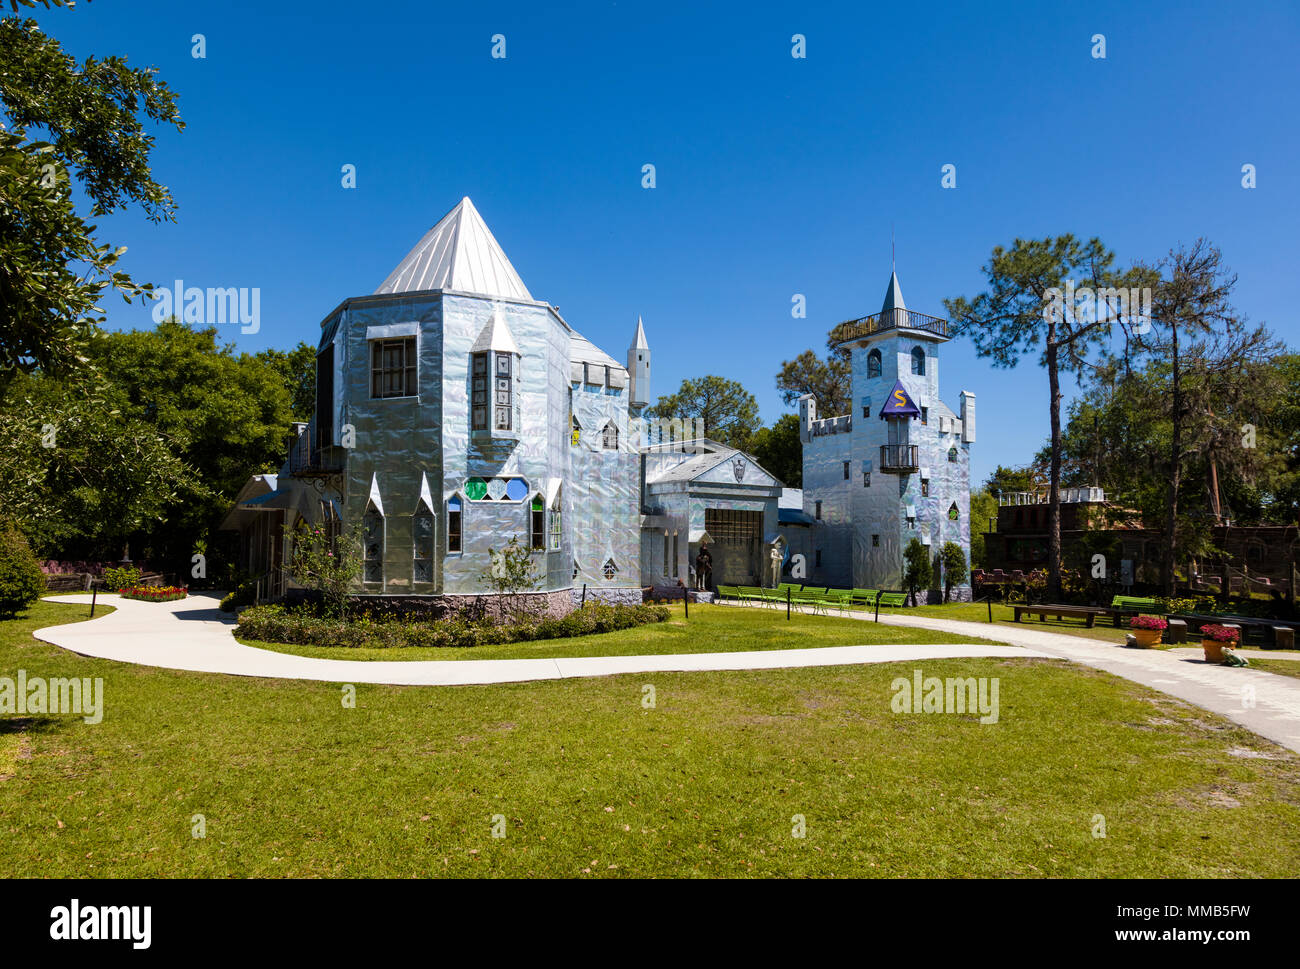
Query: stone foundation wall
612, 597
963, 593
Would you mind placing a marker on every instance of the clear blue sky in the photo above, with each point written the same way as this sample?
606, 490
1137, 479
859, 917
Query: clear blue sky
775, 175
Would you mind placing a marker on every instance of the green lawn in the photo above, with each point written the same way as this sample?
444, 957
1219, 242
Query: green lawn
710, 629
591, 783
1260, 661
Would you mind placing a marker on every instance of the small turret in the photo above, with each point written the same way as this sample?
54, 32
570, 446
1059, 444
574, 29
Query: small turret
638, 368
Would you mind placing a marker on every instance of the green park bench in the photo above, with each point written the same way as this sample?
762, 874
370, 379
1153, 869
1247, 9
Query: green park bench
864, 597
893, 598
1122, 606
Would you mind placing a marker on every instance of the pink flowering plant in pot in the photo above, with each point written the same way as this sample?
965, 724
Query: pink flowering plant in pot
1148, 630
1215, 639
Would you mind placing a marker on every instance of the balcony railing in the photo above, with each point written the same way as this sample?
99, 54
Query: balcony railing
888, 320
307, 460
899, 458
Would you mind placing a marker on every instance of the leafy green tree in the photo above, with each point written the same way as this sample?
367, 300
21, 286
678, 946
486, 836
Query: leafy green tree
80, 476
1023, 311
953, 559
1008, 480
829, 380
779, 450
918, 570
297, 367
730, 412
1197, 333
68, 121
224, 414
21, 580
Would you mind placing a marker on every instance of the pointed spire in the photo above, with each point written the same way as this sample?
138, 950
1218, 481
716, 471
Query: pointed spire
639, 341
495, 335
459, 253
893, 295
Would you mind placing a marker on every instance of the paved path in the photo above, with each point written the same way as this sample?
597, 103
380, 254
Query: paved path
193, 634
1182, 673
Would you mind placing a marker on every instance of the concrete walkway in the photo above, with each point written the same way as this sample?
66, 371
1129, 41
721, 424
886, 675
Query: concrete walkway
1272, 710
193, 634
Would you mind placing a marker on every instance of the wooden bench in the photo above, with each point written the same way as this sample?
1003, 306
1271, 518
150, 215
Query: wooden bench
1088, 613
1283, 637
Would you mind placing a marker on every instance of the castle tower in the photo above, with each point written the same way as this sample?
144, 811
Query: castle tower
901, 470
638, 368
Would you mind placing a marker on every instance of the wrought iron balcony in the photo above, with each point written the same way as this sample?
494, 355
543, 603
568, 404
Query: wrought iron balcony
309, 461
899, 458
888, 320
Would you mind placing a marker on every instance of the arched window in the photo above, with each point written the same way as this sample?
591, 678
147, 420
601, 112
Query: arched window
953, 513
873, 363
952, 455
372, 527
537, 527
422, 538
918, 361
609, 437
610, 570
453, 523
555, 523
575, 431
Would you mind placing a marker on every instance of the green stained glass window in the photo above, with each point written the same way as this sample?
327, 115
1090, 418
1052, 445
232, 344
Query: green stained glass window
475, 489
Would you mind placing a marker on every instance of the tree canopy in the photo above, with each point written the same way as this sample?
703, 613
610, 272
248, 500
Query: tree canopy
730, 412
69, 121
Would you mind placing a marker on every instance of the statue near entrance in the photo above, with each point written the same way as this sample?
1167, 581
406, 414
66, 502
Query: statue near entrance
775, 556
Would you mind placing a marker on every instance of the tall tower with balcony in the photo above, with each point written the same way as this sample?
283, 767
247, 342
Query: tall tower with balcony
898, 466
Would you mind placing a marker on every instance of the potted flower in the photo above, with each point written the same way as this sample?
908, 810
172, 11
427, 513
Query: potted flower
1147, 630
1215, 639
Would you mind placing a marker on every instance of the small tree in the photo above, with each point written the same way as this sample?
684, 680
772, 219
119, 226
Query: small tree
326, 564
512, 573
953, 560
917, 570
21, 579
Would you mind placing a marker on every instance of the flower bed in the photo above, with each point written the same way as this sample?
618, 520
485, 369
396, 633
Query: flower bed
305, 627
154, 593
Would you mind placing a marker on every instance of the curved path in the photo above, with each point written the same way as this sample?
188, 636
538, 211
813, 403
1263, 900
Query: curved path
192, 634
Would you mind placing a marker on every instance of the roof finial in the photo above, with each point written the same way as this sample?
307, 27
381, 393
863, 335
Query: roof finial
891, 247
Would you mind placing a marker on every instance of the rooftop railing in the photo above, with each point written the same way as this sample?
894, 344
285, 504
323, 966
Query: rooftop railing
888, 320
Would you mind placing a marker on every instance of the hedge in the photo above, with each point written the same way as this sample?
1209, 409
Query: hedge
302, 626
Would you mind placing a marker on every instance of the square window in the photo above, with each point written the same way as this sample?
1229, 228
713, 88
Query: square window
392, 368
875, 541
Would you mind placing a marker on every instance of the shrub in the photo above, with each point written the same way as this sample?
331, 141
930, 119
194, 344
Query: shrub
1148, 622
303, 626
243, 595
119, 578
21, 579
